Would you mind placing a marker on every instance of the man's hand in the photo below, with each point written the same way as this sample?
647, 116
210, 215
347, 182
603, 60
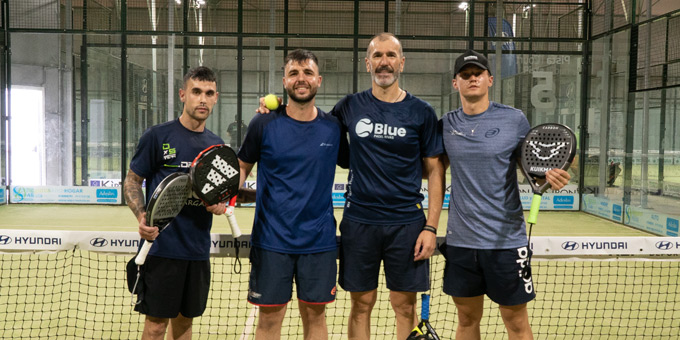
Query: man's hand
557, 178
263, 109
146, 232
217, 209
425, 245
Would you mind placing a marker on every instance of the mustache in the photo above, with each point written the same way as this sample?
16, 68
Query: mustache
384, 68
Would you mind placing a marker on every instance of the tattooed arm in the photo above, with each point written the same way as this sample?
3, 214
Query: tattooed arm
134, 196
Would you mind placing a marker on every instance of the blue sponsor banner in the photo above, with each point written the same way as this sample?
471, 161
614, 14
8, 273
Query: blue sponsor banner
651, 221
59, 194
602, 207
338, 199
565, 199
671, 227
3, 195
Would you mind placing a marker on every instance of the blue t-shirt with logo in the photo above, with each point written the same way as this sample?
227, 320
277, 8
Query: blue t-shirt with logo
164, 149
295, 171
485, 211
387, 142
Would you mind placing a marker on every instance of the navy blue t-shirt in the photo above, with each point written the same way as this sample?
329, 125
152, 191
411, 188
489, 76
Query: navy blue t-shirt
295, 171
164, 149
387, 142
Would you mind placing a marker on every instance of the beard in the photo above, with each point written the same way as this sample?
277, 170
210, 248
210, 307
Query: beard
301, 99
384, 81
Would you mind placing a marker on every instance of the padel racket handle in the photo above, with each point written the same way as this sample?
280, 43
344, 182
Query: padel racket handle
425, 307
235, 230
141, 257
535, 206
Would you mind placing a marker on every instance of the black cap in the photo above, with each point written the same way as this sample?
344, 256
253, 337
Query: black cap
471, 57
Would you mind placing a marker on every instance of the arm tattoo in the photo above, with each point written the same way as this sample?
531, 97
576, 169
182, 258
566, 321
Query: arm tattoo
134, 196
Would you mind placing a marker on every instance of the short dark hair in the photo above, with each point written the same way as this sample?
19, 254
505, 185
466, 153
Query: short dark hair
201, 73
299, 56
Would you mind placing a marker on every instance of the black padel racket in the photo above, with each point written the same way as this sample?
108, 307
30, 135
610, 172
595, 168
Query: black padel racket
215, 178
424, 331
164, 205
545, 147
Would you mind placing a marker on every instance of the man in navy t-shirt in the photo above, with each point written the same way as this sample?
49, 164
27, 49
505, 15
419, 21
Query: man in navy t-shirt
394, 141
176, 277
296, 148
486, 241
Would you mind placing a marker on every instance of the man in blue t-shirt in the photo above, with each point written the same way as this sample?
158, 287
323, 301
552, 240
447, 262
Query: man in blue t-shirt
176, 276
296, 148
393, 141
486, 242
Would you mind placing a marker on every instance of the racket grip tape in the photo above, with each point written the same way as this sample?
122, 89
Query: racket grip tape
425, 307
235, 230
535, 206
141, 257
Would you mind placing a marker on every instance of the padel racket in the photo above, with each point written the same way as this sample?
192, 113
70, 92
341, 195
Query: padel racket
215, 178
164, 205
545, 147
424, 331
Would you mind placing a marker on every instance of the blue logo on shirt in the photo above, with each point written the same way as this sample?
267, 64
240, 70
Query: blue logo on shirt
492, 133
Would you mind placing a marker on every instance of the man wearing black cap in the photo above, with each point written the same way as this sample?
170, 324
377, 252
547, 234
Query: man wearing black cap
486, 241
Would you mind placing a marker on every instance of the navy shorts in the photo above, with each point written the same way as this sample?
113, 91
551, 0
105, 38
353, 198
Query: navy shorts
172, 286
364, 246
272, 274
494, 272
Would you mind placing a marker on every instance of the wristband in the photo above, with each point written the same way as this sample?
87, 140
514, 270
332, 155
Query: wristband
430, 229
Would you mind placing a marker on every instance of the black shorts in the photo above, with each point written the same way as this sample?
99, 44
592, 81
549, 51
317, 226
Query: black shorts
272, 275
364, 246
172, 286
494, 272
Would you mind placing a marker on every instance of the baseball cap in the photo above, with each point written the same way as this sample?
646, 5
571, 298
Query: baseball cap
470, 57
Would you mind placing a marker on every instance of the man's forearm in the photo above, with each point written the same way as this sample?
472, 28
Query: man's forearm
435, 190
134, 196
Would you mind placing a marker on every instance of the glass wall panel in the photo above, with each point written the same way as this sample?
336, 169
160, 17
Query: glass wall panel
99, 107
44, 61
152, 87
607, 112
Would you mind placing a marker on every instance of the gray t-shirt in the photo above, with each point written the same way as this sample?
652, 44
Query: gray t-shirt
485, 211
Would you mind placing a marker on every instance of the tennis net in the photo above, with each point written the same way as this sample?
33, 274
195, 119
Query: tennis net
71, 285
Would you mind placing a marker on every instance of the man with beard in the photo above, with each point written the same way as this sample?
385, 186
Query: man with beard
176, 279
296, 148
393, 142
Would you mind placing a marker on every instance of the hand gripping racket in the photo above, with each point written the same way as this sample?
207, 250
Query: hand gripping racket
424, 331
164, 205
215, 178
545, 147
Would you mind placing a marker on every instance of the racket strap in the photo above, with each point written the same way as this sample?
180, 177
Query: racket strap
237, 263
134, 289
529, 252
